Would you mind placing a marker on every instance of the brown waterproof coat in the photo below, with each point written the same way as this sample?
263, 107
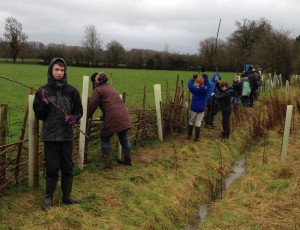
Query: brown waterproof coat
115, 114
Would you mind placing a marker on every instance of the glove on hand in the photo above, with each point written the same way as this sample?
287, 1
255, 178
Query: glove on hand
212, 94
71, 119
195, 76
44, 96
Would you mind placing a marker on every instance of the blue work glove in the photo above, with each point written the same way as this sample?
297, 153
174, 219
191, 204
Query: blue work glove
71, 119
43, 94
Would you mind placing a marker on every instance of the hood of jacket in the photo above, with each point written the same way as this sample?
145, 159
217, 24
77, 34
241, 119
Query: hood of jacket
216, 74
51, 80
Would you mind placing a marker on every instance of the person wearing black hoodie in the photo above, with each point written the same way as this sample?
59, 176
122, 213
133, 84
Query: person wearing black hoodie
58, 105
224, 99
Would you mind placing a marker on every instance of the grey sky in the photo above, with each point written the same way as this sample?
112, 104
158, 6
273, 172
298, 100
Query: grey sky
178, 25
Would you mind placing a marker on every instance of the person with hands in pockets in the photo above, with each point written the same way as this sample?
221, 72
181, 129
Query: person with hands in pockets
199, 91
58, 105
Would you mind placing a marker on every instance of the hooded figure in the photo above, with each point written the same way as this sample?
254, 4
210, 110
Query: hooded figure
58, 105
212, 103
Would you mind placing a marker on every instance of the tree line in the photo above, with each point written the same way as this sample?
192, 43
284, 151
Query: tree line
253, 41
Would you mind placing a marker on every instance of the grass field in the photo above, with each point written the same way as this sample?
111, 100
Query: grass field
167, 182
124, 80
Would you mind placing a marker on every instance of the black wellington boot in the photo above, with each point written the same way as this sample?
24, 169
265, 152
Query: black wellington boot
212, 123
190, 131
66, 187
127, 157
107, 158
197, 134
50, 189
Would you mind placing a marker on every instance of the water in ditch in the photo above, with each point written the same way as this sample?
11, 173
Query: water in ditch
236, 172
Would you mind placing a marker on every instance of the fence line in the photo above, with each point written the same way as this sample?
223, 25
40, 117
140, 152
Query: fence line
175, 108
14, 157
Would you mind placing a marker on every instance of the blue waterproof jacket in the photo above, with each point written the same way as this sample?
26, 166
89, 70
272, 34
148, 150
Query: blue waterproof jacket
212, 88
199, 94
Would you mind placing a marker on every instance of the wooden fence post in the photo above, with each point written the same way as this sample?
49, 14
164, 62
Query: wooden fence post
3, 133
158, 105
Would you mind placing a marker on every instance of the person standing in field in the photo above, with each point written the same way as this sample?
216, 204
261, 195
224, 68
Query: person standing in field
58, 105
115, 116
199, 92
212, 106
224, 98
237, 91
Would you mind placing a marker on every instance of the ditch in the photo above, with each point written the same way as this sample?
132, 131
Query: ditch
237, 171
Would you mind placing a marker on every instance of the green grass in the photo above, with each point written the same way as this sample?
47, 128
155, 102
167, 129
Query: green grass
130, 81
165, 185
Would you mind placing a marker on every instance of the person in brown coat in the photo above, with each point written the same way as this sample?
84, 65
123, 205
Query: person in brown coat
116, 119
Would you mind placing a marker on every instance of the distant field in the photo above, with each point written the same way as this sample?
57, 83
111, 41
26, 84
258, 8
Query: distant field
124, 80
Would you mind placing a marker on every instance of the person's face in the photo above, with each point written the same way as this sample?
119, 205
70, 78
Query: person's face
224, 87
58, 72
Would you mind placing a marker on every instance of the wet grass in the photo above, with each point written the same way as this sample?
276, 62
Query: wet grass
170, 180
266, 197
131, 81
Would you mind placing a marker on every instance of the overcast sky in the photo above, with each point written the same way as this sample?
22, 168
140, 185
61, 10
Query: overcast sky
178, 25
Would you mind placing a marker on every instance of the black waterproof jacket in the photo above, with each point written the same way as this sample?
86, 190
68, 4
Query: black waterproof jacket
66, 98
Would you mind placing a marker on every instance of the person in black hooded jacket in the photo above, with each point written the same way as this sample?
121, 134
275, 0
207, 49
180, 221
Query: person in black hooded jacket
224, 98
58, 105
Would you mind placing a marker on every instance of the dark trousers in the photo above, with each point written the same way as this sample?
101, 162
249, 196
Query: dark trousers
245, 101
58, 156
123, 139
210, 113
251, 98
226, 123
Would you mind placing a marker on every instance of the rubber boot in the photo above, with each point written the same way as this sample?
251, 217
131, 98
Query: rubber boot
107, 158
50, 189
212, 123
197, 134
127, 157
66, 187
190, 131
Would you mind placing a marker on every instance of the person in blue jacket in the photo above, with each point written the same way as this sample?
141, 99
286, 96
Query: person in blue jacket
212, 105
199, 92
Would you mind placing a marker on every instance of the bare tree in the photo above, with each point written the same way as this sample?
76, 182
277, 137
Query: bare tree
274, 53
115, 53
14, 36
207, 49
248, 33
91, 42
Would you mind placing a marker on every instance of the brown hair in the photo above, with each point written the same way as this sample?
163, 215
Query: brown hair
60, 63
224, 83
